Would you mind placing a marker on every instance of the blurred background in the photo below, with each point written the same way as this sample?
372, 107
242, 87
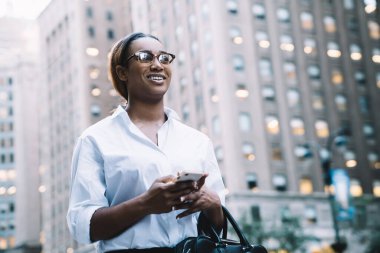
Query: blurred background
288, 90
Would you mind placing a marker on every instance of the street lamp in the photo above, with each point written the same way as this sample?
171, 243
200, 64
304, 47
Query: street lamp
339, 139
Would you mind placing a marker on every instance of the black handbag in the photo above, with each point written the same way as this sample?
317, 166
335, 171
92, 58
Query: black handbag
209, 241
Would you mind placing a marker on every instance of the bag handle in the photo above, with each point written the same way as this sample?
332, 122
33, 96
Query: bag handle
205, 225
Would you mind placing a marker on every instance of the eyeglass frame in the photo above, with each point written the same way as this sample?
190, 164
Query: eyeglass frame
135, 54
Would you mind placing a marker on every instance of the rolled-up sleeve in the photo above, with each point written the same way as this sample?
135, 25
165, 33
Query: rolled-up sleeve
88, 186
214, 180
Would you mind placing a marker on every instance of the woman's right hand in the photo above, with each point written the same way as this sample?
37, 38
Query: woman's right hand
164, 194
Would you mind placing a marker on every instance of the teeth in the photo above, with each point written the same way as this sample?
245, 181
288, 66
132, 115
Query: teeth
156, 78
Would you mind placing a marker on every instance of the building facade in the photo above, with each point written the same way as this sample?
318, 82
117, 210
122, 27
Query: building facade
20, 221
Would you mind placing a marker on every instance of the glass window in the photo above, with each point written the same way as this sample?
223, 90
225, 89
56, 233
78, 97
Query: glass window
276, 152
376, 55
297, 126
348, 4
286, 43
322, 129
290, 71
241, 91
232, 6
214, 95
373, 160
360, 77
96, 91
378, 80
258, 11
238, 62
265, 68
219, 154
302, 152
350, 158
333, 50
374, 30
329, 23
364, 104
311, 214
283, 15
252, 181
95, 110
216, 127
248, 151
370, 6
376, 188
272, 124
110, 34
352, 24
279, 182
94, 72
245, 122
341, 102
336, 77
355, 188
109, 16
235, 35
355, 52
310, 46
92, 51
368, 130
314, 72
305, 186
268, 93
262, 39
185, 112
89, 12
307, 21
293, 97
91, 31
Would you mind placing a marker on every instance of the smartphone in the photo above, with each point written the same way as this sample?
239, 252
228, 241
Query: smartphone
188, 176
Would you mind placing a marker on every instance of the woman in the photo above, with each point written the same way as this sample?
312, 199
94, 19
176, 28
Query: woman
123, 189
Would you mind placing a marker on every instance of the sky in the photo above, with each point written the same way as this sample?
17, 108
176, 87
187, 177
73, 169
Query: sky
29, 9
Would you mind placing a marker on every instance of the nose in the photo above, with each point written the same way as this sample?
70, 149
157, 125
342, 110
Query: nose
156, 64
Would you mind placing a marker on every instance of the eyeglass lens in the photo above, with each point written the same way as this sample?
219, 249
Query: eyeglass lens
147, 57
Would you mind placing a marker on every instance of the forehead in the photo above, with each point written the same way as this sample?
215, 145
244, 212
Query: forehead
146, 43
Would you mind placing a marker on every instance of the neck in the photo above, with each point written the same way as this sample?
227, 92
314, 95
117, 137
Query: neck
146, 112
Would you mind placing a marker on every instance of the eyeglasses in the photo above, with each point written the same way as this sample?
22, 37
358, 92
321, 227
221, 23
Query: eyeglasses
148, 57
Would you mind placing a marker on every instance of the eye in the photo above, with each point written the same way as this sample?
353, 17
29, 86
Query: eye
145, 57
164, 58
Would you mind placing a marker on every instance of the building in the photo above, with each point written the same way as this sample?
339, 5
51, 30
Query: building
75, 41
272, 83
20, 221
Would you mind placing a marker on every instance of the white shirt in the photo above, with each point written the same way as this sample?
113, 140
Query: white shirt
114, 161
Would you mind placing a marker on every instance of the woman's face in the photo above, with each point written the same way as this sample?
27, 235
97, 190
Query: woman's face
147, 81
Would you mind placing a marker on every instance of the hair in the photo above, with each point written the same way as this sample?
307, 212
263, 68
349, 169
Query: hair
119, 53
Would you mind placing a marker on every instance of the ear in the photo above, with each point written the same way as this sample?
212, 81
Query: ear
121, 73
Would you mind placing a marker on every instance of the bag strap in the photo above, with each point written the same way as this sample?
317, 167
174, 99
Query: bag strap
206, 226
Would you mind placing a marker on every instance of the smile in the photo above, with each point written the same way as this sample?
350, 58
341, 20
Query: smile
156, 77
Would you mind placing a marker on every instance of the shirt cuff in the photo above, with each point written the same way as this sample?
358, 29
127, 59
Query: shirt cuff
82, 231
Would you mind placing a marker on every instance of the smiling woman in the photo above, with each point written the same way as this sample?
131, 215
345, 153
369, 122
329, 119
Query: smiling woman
22, 8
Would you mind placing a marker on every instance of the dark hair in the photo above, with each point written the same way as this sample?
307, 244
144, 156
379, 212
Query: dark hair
119, 53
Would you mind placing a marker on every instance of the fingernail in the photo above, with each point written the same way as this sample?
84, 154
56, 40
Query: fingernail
182, 198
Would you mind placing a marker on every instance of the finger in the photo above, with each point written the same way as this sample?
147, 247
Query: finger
186, 213
202, 181
167, 179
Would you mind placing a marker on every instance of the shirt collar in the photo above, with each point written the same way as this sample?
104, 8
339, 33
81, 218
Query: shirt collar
120, 112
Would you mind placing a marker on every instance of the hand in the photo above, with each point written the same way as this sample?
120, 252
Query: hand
164, 194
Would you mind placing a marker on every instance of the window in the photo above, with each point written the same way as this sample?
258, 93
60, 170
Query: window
341, 102
350, 158
110, 34
348, 4
245, 122
252, 181
378, 80
214, 95
91, 31
248, 151
95, 110
262, 39
109, 16
373, 160
322, 129
286, 43
355, 52
276, 152
96, 91
268, 93
363, 104
258, 11
333, 50
293, 97
329, 23
311, 214
307, 22
265, 66
302, 152
238, 63
92, 51
374, 30
376, 188
310, 46
185, 112
272, 124
279, 182
314, 72
305, 186
232, 6
370, 6
355, 188
376, 55
336, 77
235, 35
216, 127
290, 71
283, 15
94, 72
360, 77
241, 91
297, 126
219, 154
368, 130
89, 12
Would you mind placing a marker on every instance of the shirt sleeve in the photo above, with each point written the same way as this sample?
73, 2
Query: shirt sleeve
87, 193
214, 180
